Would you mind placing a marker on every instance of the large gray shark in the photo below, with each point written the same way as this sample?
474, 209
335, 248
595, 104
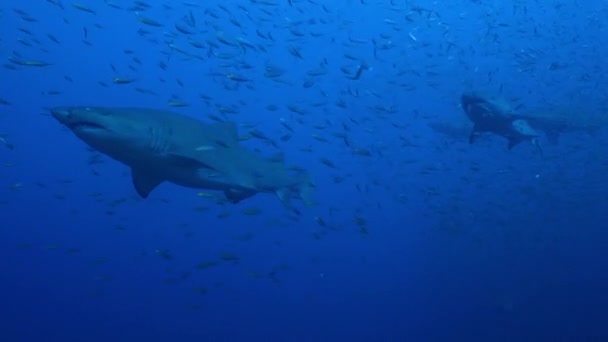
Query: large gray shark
489, 116
162, 146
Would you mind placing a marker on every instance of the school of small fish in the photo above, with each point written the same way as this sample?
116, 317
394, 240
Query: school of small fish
364, 92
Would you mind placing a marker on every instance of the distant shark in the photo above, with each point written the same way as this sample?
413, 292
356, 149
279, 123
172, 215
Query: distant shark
161, 146
492, 117
551, 121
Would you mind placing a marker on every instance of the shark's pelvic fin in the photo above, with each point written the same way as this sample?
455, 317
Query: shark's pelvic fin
302, 190
475, 132
305, 190
187, 162
144, 183
237, 195
514, 141
284, 195
536, 143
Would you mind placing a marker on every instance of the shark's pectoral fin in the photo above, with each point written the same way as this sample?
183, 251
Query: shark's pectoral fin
237, 195
144, 183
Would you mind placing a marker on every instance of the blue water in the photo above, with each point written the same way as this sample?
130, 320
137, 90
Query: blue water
427, 238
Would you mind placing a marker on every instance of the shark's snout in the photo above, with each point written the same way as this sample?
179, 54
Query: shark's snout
77, 119
62, 114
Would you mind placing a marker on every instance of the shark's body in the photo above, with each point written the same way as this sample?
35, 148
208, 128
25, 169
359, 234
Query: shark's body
490, 117
161, 146
553, 122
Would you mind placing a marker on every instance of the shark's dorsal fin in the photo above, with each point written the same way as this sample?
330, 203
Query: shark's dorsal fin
144, 183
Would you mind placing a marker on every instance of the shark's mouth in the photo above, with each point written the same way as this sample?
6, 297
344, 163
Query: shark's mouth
83, 125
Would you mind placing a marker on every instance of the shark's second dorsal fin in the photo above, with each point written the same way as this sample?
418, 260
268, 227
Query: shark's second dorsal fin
144, 183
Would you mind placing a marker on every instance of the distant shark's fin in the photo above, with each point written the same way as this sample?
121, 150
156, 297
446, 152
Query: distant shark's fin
284, 194
475, 132
237, 195
514, 141
523, 131
536, 143
144, 183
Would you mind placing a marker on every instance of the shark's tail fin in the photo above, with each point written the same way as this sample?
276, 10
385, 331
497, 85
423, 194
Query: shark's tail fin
303, 189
